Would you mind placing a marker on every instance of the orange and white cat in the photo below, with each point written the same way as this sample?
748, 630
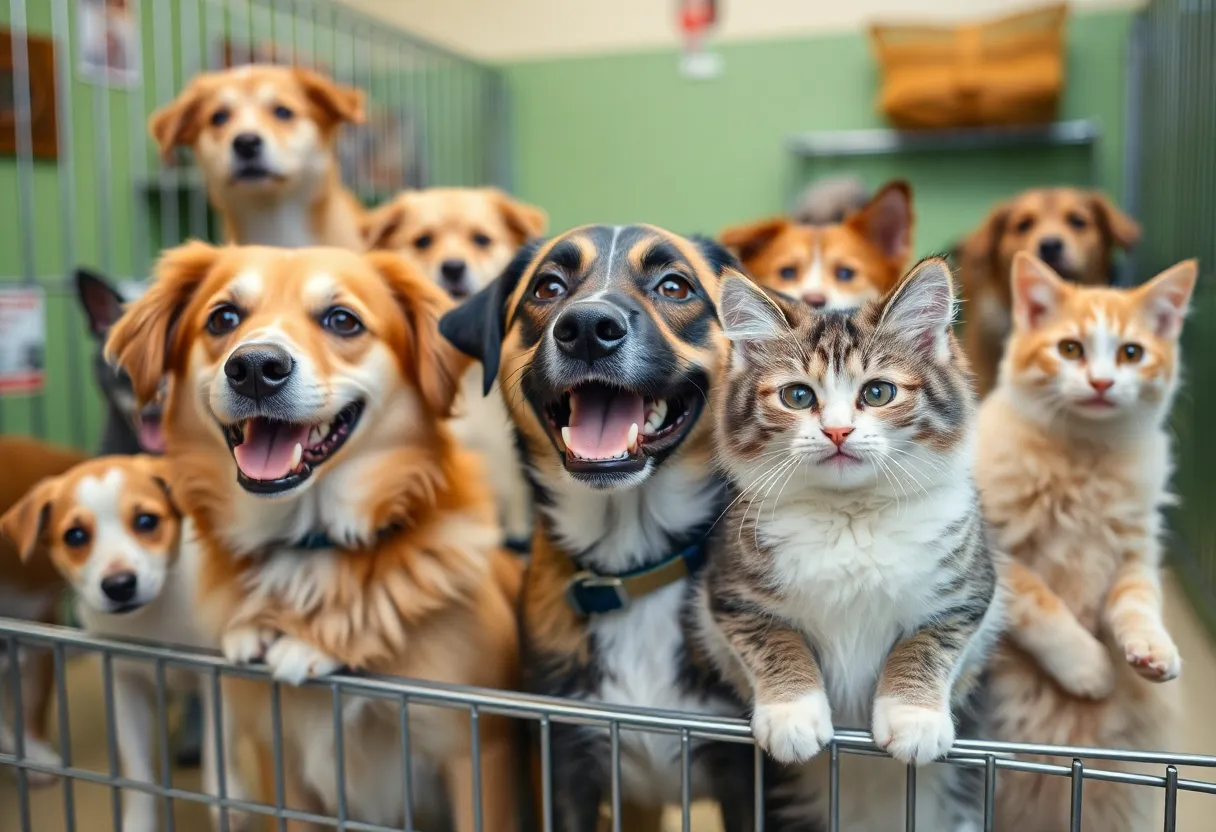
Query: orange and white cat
1073, 462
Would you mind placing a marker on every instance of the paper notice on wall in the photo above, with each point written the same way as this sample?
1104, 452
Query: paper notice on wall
22, 339
695, 19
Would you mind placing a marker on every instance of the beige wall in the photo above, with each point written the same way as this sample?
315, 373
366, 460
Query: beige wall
519, 29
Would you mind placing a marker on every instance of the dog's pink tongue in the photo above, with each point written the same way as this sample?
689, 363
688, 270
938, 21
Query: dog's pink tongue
266, 452
151, 437
600, 422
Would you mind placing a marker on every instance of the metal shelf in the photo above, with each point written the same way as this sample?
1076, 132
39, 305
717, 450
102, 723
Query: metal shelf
840, 143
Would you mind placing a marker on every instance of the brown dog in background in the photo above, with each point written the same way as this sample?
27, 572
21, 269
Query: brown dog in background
264, 138
837, 266
462, 238
30, 592
1072, 230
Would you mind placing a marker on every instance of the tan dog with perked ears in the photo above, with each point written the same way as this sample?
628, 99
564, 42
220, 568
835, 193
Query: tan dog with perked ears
1072, 230
339, 523
264, 138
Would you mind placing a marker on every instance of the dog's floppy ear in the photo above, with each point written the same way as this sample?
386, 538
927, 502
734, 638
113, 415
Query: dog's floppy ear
886, 220
380, 224
527, 222
478, 325
717, 256
339, 103
179, 121
1120, 229
141, 341
749, 240
437, 366
101, 302
24, 522
980, 246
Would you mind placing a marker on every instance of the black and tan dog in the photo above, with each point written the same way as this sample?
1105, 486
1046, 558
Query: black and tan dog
605, 343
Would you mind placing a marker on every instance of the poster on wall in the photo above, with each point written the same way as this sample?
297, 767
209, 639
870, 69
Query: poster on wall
696, 18
22, 339
108, 41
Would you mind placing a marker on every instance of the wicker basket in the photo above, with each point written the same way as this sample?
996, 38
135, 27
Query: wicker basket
1006, 71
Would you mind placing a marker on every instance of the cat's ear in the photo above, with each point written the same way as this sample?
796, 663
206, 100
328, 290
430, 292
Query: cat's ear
1037, 291
1166, 297
920, 310
748, 314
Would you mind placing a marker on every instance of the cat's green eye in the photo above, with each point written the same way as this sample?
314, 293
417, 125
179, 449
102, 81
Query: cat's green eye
797, 396
1072, 350
878, 393
1130, 354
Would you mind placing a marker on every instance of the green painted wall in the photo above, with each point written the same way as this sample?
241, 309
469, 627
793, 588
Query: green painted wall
625, 138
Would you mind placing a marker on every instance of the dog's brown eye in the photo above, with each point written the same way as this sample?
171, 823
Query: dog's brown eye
1025, 225
1130, 354
220, 117
146, 522
423, 242
342, 321
76, 537
674, 287
283, 113
1077, 222
789, 273
481, 240
845, 273
1072, 350
548, 287
223, 319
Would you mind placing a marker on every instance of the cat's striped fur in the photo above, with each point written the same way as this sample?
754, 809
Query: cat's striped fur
852, 584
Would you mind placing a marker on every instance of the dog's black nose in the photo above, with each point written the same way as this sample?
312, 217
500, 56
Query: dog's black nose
1050, 248
247, 146
258, 371
452, 270
589, 331
119, 587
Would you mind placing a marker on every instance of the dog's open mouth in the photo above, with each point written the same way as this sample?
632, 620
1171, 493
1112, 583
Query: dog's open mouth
273, 456
148, 430
604, 429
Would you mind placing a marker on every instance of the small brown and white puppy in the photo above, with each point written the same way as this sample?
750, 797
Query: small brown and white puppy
338, 522
835, 267
264, 137
462, 238
110, 527
1072, 230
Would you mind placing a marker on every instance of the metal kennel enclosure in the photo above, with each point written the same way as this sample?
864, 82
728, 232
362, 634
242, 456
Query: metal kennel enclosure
82, 185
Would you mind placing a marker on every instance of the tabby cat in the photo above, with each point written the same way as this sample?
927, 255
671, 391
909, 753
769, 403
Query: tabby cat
851, 583
1073, 462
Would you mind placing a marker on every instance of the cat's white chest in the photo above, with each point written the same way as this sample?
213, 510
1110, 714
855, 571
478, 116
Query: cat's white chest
640, 651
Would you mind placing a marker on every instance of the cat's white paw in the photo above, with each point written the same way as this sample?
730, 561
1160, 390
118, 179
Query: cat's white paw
293, 661
246, 645
912, 733
38, 751
1085, 670
793, 732
1153, 655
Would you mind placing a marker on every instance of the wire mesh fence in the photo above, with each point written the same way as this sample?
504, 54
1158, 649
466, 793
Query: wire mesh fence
226, 795
81, 182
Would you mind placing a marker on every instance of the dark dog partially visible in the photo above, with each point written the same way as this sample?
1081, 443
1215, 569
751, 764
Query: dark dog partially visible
606, 343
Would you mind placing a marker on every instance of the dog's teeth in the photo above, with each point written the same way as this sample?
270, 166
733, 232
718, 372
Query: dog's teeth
632, 442
297, 455
566, 438
573, 409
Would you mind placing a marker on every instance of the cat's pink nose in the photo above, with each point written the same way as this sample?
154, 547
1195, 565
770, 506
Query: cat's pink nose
816, 299
1101, 384
837, 435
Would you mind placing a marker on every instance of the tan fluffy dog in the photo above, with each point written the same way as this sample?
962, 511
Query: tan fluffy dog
339, 523
263, 137
1074, 231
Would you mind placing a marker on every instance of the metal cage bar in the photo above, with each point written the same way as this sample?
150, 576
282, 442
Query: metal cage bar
1077, 764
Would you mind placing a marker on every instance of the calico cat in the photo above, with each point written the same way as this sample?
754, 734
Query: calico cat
851, 583
1073, 462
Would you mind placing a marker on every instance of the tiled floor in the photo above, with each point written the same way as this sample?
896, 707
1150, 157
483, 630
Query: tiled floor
93, 803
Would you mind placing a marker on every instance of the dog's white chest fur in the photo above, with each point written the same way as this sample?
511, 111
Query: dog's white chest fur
639, 650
